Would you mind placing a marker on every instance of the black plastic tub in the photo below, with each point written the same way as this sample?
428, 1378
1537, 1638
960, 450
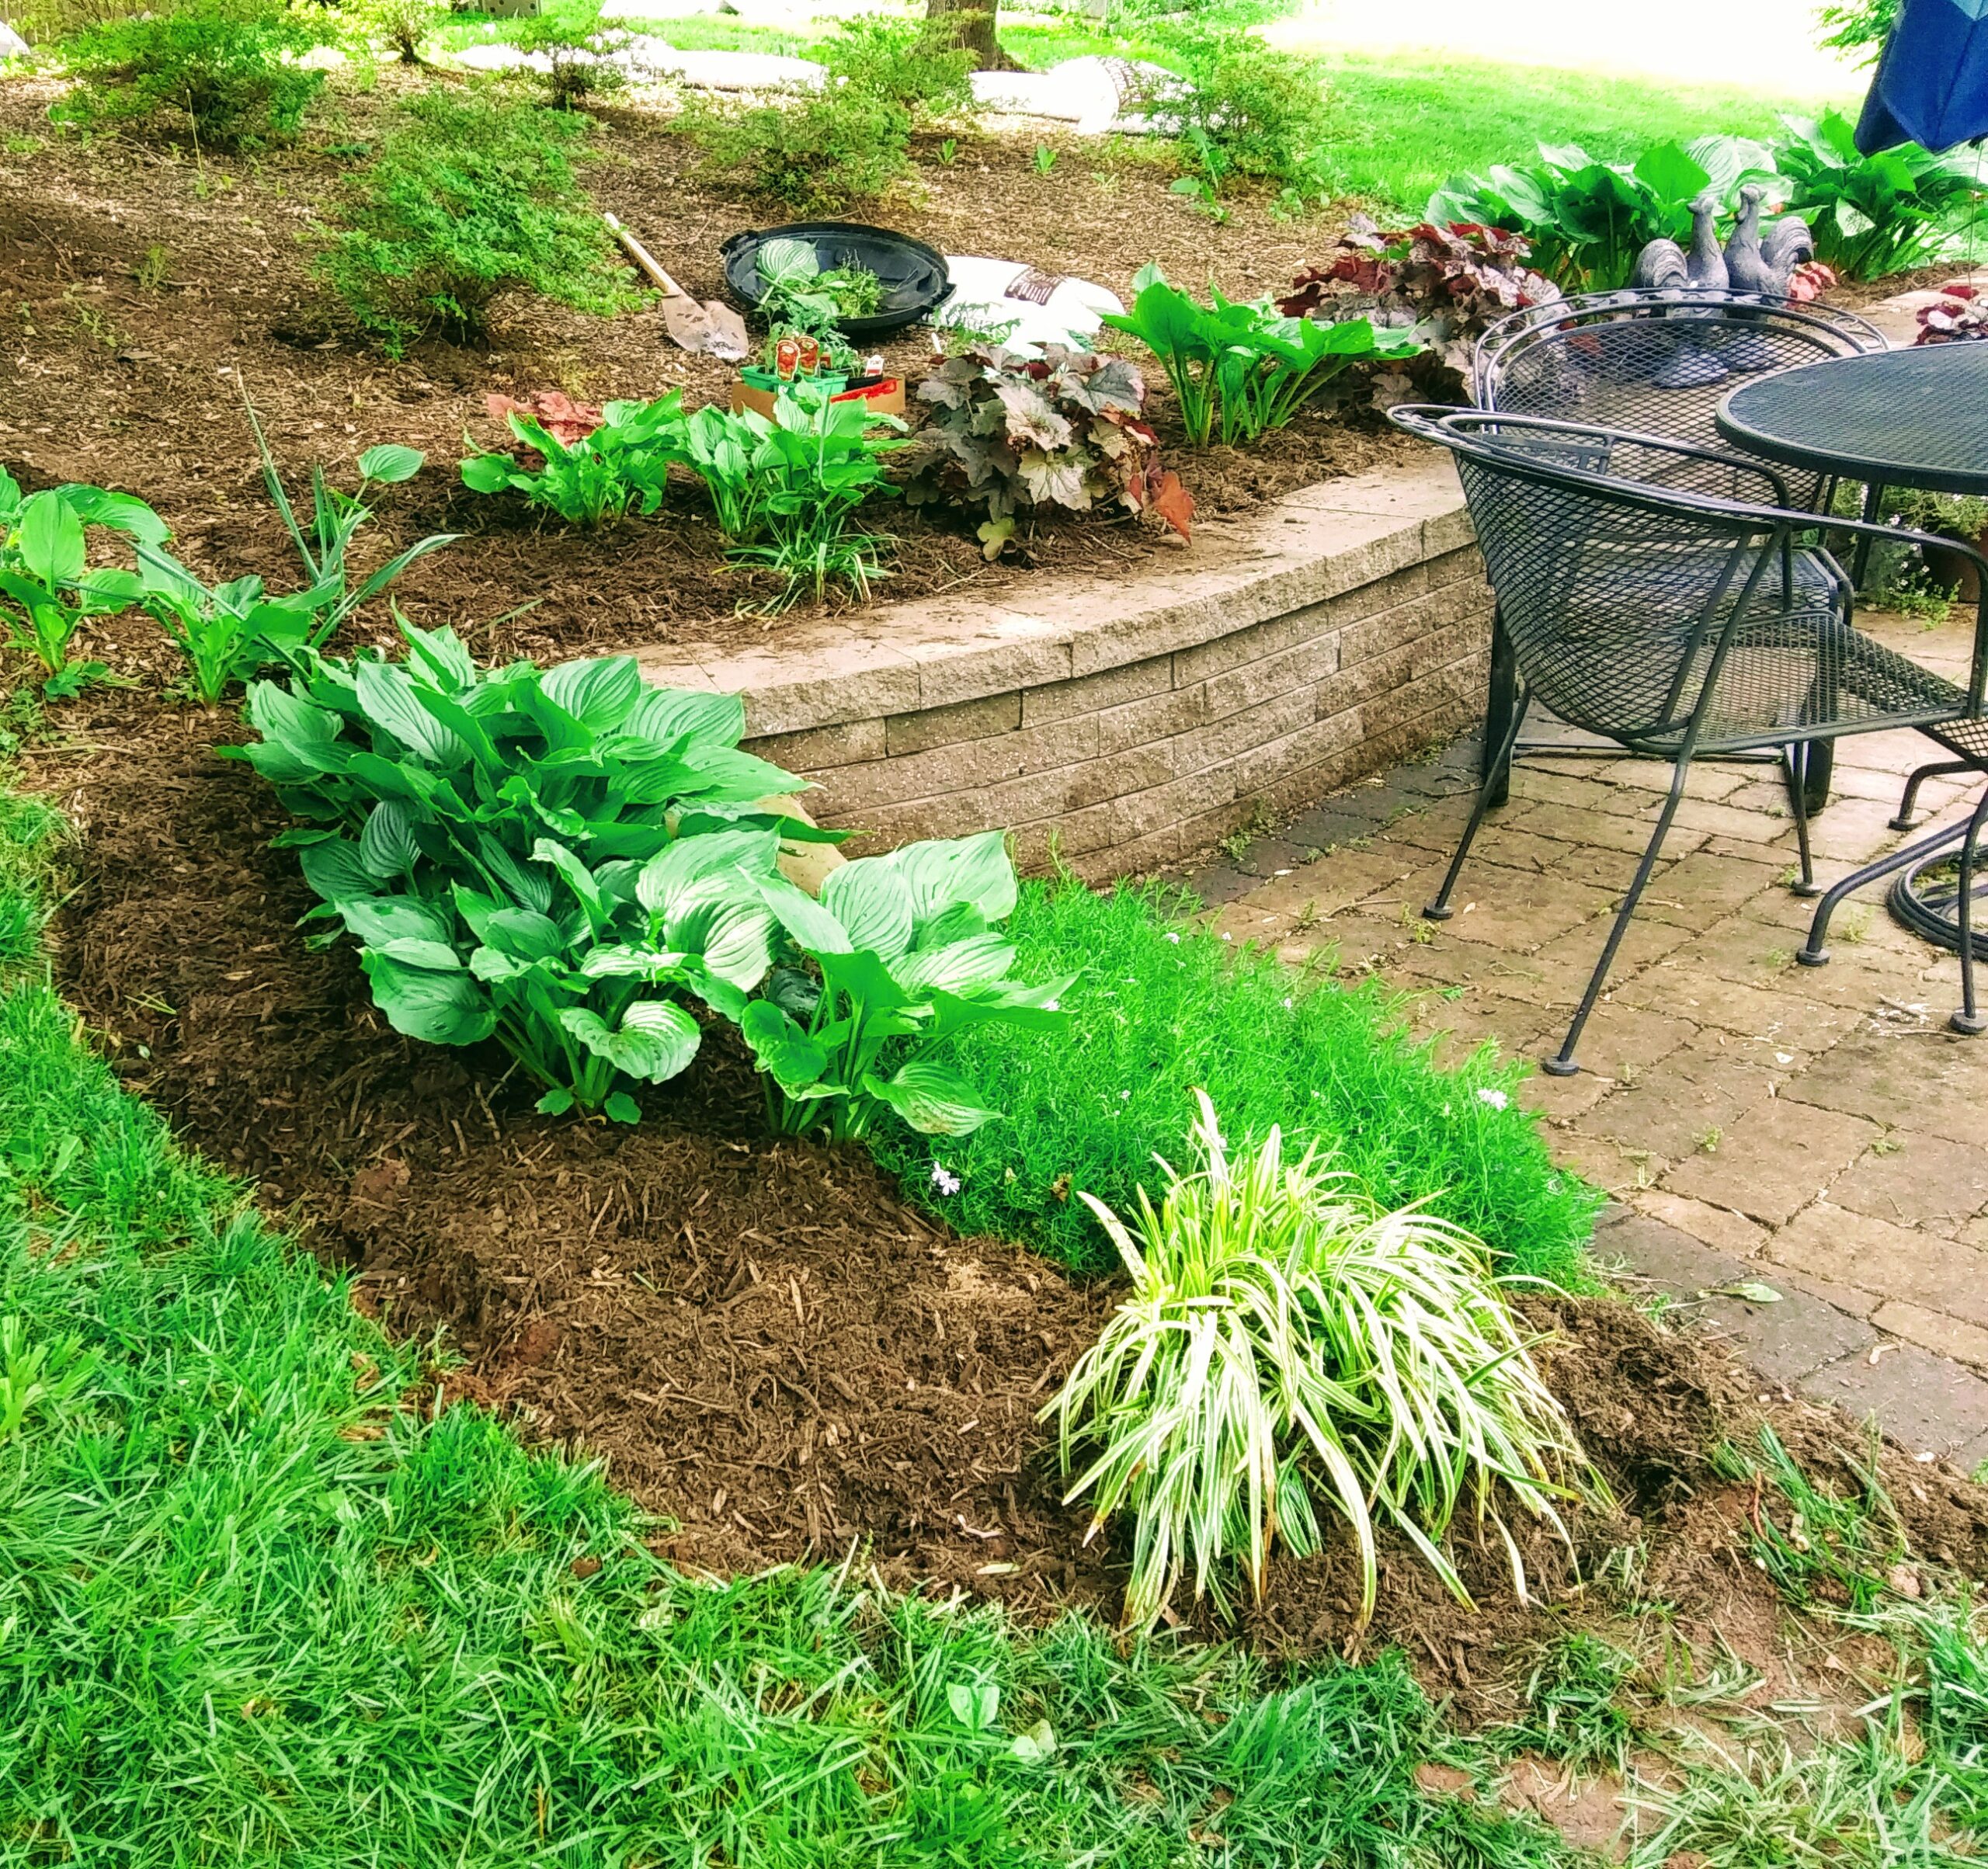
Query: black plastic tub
913, 274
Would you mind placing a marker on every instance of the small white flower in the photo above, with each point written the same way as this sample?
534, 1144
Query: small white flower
1496, 1099
1287, 1002
1052, 1006
1174, 938
944, 1181
1125, 1096
1228, 937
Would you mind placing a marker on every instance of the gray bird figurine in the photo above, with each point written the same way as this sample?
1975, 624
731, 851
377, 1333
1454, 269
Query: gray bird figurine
1763, 265
1664, 264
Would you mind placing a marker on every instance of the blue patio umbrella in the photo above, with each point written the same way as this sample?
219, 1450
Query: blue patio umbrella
1932, 82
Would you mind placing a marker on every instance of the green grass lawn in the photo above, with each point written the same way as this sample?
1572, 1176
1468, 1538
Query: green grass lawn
1407, 125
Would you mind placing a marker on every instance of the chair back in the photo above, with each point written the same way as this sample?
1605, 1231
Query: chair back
1628, 569
1655, 361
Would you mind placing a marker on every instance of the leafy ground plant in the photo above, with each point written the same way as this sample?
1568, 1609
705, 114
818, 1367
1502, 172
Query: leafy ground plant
902, 951
912, 64
578, 52
226, 69
1447, 283
469, 197
1238, 369
48, 586
1286, 1336
1243, 110
817, 152
1065, 429
807, 471
336, 518
226, 633
552, 858
1877, 214
595, 476
1162, 1007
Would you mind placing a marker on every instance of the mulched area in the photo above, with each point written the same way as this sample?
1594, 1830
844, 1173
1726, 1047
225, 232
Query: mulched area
136, 385
772, 1350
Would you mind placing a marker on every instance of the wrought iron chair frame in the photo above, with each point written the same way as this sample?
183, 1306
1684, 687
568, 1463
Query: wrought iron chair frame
1533, 325
1954, 718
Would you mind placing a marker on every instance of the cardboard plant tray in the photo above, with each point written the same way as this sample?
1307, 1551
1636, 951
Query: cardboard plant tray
756, 386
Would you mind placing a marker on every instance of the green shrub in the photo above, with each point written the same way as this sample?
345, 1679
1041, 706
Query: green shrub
470, 197
578, 53
816, 153
549, 857
1286, 1336
222, 67
912, 63
1161, 1007
405, 26
1244, 108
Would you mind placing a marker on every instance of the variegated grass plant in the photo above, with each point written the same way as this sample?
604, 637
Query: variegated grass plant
1286, 1336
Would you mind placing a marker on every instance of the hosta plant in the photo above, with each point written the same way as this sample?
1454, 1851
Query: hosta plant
337, 516
595, 477
47, 584
1012, 433
900, 952
1447, 282
226, 632
1238, 369
1876, 214
553, 857
1286, 1340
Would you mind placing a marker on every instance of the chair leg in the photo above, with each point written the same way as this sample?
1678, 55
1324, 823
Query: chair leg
1904, 821
1796, 770
1814, 953
1501, 709
1968, 1018
1563, 1063
1497, 766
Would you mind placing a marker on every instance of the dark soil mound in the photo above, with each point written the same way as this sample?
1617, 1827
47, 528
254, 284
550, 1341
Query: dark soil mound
772, 1350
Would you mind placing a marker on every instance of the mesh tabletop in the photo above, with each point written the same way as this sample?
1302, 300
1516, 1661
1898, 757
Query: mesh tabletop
1915, 418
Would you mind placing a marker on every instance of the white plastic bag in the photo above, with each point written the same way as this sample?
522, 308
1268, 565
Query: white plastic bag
1044, 307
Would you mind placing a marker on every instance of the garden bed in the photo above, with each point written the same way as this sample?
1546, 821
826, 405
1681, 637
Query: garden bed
774, 1351
134, 385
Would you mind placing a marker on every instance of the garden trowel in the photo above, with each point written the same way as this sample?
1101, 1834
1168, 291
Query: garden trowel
712, 328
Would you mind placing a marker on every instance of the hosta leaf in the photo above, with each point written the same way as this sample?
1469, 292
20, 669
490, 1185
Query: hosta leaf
278, 715
934, 1100
442, 1008
50, 542
440, 655
334, 870
958, 968
123, 513
598, 692
811, 928
1024, 1006
376, 920
730, 930
782, 1050
974, 870
578, 877
390, 464
656, 1040
529, 888
874, 903
387, 848
724, 771
438, 957
671, 874
523, 934
619, 960
386, 692
866, 979
663, 716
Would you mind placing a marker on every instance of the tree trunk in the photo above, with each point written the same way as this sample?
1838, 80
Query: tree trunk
970, 23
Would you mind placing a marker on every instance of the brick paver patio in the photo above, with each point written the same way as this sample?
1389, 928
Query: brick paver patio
1817, 1131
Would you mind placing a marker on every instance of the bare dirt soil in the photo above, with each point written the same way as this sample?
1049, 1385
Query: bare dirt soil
142, 290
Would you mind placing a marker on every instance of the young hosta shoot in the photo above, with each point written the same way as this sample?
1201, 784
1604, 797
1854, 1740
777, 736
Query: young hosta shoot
227, 633
335, 517
906, 951
47, 584
597, 477
1238, 369
1285, 1338
552, 857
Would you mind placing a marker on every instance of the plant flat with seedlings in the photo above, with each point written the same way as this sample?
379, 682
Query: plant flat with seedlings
552, 858
903, 950
595, 476
1285, 1336
1064, 430
1238, 369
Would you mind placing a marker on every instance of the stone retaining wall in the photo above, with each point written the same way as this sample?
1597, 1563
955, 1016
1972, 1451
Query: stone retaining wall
1130, 723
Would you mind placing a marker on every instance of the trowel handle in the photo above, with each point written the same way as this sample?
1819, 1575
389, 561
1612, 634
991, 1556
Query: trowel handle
643, 257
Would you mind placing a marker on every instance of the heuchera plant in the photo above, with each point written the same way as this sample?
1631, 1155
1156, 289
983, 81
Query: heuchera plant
1447, 282
1958, 315
555, 858
1064, 430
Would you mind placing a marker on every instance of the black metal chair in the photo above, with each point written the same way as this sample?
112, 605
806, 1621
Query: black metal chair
1660, 595
1652, 362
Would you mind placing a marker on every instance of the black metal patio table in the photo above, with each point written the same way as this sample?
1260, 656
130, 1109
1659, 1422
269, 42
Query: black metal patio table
1912, 418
